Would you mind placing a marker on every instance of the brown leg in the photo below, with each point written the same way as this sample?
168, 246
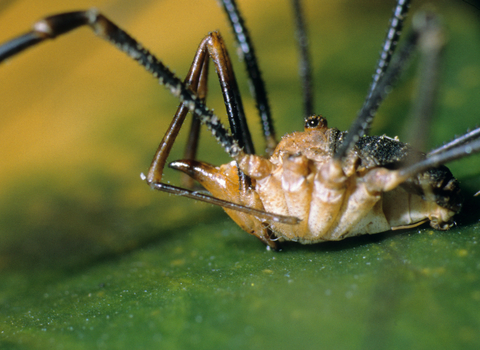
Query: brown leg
196, 80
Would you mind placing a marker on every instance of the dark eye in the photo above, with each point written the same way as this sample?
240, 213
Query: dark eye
315, 121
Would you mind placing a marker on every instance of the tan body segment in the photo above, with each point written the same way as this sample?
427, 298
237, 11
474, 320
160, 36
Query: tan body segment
302, 179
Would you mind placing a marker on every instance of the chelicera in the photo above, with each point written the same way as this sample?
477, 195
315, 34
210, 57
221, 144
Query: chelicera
316, 185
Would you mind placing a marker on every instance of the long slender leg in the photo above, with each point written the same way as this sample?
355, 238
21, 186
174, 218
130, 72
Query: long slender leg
196, 80
194, 133
257, 86
56, 25
365, 117
305, 66
462, 140
382, 87
437, 159
231, 93
233, 102
390, 43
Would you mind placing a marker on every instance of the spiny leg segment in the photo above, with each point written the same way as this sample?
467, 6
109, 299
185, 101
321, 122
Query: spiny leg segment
382, 80
390, 43
257, 85
464, 140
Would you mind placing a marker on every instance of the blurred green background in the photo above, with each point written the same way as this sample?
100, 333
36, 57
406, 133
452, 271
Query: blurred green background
91, 258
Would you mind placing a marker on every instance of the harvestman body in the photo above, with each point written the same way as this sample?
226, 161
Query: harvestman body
316, 185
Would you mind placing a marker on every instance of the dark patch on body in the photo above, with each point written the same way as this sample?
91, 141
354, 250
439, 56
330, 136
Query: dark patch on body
436, 184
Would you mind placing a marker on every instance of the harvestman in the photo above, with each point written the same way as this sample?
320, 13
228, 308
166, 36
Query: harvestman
316, 185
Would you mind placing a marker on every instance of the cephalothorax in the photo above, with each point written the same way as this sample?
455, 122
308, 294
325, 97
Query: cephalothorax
317, 185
